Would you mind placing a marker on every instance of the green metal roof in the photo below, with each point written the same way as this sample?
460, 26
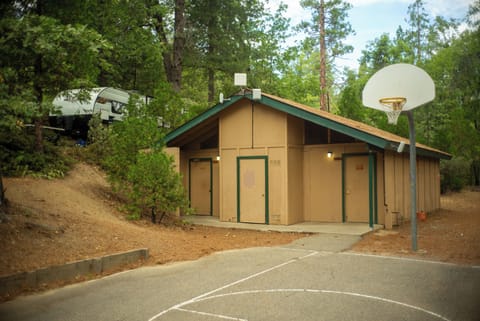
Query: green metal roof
370, 135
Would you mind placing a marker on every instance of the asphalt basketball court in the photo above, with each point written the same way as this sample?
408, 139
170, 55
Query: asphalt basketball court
310, 279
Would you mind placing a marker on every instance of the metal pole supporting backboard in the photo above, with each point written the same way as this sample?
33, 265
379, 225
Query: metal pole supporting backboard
413, 180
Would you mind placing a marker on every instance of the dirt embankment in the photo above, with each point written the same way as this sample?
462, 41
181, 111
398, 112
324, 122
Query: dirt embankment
56, 221
451, 234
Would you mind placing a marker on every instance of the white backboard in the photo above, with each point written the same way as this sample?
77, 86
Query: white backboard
399, 80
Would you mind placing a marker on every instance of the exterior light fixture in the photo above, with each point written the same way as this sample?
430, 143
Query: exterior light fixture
329, 154
218, 158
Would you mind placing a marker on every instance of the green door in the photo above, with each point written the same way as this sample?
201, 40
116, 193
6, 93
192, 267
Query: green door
201, 186
356, 189
252, 189
359, 195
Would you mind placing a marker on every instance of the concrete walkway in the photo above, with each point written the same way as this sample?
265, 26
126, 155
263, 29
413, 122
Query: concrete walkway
305, 227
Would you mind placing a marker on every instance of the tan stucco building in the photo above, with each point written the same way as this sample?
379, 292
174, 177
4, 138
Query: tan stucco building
274, 161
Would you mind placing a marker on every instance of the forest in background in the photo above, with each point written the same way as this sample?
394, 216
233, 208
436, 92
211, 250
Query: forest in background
185, 52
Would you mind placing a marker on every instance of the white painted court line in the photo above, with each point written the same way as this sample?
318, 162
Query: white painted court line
304, 250
177, 306
354, 294
210, 314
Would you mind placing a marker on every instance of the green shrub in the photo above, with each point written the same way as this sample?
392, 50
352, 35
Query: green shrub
98, 142
156, 187
455, 174
18, 158
138, 168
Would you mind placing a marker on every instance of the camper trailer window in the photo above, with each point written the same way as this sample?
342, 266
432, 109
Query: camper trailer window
101, 100
117, 107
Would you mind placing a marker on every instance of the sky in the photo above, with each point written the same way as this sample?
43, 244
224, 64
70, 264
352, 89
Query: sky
372, 18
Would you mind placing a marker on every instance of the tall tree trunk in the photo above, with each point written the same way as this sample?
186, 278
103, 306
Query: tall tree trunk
323, 59
38, 92
178, 44
2, 192
418, 38
476, 172
173, 58
211, 84
211, 34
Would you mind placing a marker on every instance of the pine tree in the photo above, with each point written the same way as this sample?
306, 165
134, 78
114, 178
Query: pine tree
328, 27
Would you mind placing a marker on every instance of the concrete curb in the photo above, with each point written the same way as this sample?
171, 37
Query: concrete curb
12, 284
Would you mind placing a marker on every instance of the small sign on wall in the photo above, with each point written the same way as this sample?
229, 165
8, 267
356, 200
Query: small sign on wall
249, 179
275, 162
359, 167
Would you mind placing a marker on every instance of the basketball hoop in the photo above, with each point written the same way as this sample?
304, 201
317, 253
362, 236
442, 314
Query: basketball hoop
388, 90
395, 105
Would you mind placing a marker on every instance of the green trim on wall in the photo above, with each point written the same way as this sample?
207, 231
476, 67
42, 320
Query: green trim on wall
372, 186
200, 159
343, 189
265, 158
375, 191
370, 190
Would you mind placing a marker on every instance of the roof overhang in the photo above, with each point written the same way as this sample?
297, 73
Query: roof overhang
357, 130
196, 121
333, 125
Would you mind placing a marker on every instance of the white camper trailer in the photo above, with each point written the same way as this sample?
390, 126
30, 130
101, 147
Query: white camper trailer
75, 114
